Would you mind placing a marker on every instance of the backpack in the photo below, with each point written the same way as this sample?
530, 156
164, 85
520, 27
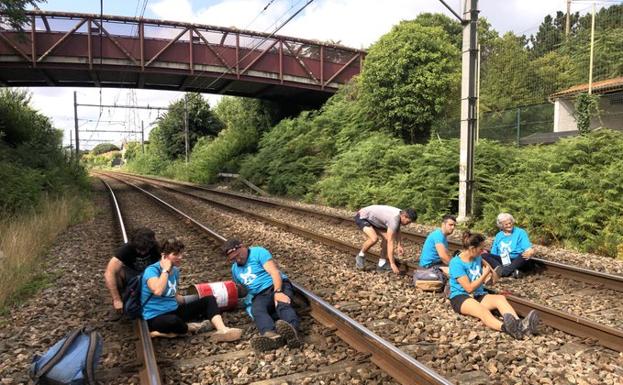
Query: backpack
132, 306
429, 279
70, 361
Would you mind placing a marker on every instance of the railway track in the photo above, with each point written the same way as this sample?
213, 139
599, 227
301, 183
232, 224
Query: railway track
570, 323
401, 366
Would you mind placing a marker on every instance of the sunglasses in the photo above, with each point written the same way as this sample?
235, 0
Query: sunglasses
228, 252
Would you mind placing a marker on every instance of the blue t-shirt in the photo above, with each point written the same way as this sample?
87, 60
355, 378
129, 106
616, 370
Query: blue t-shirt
513, 244
252, 274
429, 255
458, 269
159, 304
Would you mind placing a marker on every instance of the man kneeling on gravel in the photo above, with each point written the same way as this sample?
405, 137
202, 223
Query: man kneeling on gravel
269, 295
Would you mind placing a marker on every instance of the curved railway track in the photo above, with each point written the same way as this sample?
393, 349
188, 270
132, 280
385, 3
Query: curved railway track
576, 325
401, 366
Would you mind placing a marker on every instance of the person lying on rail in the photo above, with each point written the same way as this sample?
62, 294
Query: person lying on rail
511, 248
384, 222
165, 310
468, 296
269, 296
435, 249
130, 260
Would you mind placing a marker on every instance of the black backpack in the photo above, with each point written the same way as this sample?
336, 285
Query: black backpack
132, 306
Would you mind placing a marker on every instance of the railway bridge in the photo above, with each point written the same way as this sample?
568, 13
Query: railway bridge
88, 50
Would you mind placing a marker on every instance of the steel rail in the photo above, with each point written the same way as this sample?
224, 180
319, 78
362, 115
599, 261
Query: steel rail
569, 323
149, 372
401, 366
611, 281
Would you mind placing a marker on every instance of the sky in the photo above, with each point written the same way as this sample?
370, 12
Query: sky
354, 23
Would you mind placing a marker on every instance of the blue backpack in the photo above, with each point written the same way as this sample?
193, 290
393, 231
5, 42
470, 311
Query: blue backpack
132, 306
70, 361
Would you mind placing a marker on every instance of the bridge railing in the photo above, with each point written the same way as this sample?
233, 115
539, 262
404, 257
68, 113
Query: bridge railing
145, 43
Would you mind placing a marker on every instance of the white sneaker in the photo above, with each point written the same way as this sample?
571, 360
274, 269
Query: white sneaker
360, 261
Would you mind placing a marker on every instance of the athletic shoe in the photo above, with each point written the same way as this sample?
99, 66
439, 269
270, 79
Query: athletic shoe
498, 271
359, 261
530, 324
386, 268
512, 326
226, 335
517, 274
289, 333
267, 341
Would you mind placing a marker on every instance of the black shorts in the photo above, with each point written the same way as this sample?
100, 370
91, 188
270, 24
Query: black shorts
457, 301
361, 223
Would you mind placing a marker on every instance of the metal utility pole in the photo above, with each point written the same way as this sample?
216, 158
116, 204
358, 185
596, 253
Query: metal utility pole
469, 102
76, 126
142, 137
590, 66
568, 21
186, 126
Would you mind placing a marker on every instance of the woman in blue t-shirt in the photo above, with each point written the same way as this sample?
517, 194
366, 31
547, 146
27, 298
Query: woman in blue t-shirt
468, 296
511, 248
166, 311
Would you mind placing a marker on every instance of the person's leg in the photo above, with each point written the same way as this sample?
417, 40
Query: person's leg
206, 308
285, 311
515, 264
371, 238
498, 302
168, 323
474, 308
261, 307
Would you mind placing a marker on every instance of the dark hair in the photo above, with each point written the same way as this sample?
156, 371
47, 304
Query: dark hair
472, 239
143, 239
172, 245
411, 214
448, 217
230, 244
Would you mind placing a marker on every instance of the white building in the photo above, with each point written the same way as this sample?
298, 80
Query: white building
610, 105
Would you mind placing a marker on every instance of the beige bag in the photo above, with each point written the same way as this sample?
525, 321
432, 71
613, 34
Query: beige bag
431, 279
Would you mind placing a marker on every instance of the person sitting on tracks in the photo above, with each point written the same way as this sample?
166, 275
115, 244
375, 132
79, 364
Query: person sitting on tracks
384, 222
130, 260
269, 296
511, 248
166, 311
435, 249
468, 296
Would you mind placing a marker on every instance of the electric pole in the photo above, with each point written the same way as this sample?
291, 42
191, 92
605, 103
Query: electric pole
469, 102
142, 137
186, 126
76, 126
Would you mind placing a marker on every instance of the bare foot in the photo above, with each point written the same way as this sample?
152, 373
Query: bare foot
226, 335
156, 334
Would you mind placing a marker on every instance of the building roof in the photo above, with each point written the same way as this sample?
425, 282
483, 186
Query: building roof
601, 87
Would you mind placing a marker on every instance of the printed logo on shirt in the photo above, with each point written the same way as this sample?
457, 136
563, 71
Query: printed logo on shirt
474, 274
171, 289
505, 248
248, 277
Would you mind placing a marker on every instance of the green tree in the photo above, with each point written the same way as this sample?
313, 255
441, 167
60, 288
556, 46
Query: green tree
407, 78
13, 12
168, 137
104, 147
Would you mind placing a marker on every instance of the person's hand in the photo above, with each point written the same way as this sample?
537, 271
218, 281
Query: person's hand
486, 270
526, 256
166, 264
395, 268
281, 297
117, 304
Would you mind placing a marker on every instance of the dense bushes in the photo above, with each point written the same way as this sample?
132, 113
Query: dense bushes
33, 163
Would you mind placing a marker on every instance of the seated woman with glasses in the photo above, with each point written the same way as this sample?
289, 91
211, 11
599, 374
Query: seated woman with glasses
166, 311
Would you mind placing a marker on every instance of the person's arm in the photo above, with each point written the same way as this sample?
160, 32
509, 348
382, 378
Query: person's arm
110, 277
180, 299
444, 254
473, 285
271, 268
158, 285
390, 250
527, 246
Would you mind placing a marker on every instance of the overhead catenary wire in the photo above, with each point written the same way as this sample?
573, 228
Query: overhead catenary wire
263, 40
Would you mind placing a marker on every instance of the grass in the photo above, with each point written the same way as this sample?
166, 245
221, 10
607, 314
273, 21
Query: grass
24, 241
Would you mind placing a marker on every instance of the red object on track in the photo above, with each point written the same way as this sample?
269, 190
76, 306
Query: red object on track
226, 293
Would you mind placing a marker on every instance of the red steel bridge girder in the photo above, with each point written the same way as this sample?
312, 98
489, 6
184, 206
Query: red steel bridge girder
70, 49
